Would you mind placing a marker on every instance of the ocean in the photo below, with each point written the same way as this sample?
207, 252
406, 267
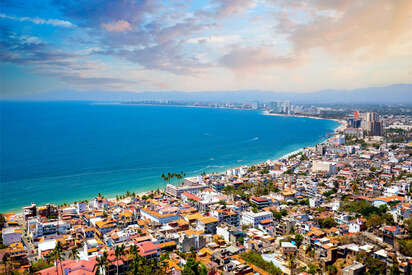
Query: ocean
65, 151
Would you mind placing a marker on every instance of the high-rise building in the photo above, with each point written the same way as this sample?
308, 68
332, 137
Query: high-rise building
372, 125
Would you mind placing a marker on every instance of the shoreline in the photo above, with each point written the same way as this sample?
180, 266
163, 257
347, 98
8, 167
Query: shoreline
140, 192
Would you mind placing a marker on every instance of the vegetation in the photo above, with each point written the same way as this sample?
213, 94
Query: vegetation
40, 265
298, 239
327, 223
363, 208
374, 266
140, 265
405, 246
171, 176
257, 260
194, 268
330, 192
2, 221
102, 264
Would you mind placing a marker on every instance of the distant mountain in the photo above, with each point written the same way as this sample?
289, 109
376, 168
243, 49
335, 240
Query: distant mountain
399, 93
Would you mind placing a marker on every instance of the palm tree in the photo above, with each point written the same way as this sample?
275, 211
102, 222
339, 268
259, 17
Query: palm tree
74, 254
58, 255
6, 259
101, 263
292, 264
119, 252
355, 188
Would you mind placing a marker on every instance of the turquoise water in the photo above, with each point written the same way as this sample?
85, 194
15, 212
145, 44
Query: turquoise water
65, 151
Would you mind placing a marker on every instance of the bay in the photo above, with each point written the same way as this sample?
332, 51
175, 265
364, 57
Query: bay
64, 151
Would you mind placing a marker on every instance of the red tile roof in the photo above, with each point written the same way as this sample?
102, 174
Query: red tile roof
191, 196
260, 199
148, 248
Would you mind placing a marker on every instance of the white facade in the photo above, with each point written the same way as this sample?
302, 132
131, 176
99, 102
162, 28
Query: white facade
324, 166
11, 235
81, 207
250, 218
37, 229
224, 232
354, 227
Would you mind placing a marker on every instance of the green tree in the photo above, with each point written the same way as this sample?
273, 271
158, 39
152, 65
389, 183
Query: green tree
327, 223
257, 260
57, 256
374, 266
292, 265
313, 268
374, 221
408, 225
102, 264
6, 260
2, 221
298, 239
405, 247
74, 254
332, 270
192, 267
119, 252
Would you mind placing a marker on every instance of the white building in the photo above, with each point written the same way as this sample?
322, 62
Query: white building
46, 245
11, 235
207, 224
177, 191
158, 216
37, 229
324, 166
81, 207
354, 227
250, 218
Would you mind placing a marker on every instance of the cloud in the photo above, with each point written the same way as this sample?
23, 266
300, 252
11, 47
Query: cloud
144, 32
252, 59
39, 21
223, 39
228, 8
119, 26
164, 57
372, 26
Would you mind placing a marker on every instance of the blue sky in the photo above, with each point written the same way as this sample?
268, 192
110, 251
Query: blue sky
132, 45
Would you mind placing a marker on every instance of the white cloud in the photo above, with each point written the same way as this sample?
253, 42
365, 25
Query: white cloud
215, 39
39, 21
119, 26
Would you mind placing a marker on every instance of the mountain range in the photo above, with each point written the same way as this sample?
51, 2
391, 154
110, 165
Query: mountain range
393, 94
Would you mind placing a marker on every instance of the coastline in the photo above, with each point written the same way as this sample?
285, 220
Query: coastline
146, 189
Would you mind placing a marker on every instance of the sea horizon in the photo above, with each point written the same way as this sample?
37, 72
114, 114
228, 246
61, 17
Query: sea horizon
37, 168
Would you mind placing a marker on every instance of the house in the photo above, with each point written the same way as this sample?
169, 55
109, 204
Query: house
72, 267
81, 207
105, 226
386, 200
207, 224
254, 219
11, 235
191, 239
288, 248
158, 216
227, 216
149, 250
260, 201
354, 269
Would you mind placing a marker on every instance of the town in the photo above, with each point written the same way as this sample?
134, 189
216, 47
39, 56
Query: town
340, 207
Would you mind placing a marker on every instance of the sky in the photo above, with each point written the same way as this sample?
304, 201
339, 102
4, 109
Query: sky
206, 45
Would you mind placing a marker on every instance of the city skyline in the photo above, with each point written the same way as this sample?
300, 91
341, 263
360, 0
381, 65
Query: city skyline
203, 45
